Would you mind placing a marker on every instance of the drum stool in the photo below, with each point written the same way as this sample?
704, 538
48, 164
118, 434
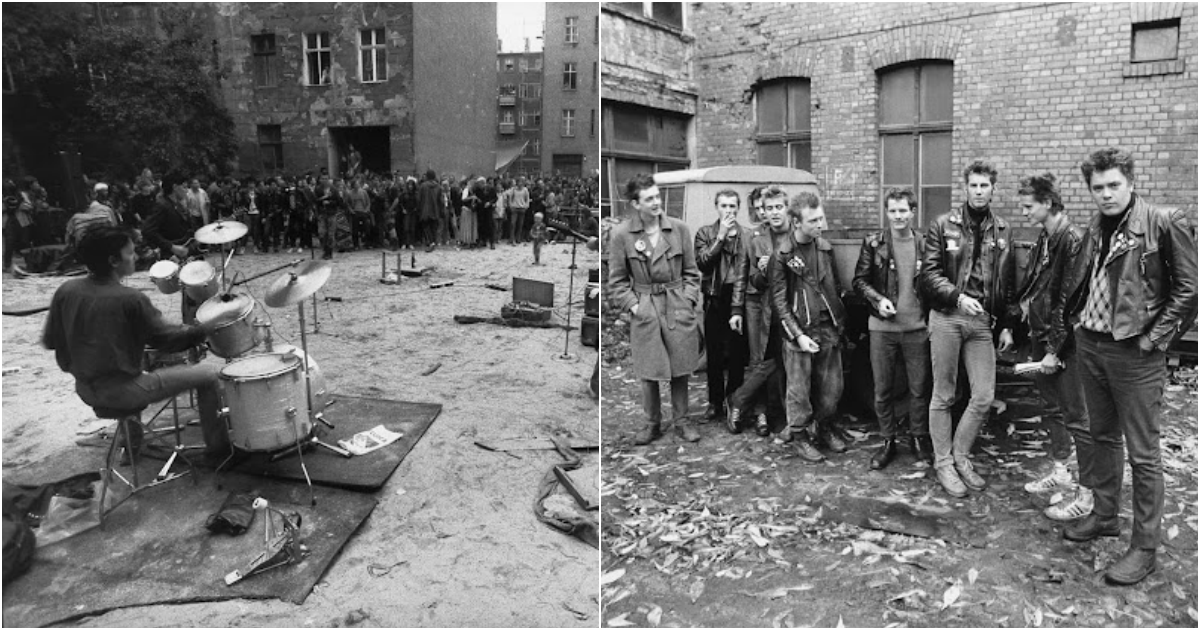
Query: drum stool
126, 419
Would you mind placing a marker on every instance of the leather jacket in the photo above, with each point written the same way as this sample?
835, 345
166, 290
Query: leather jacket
788, 278
946, 265
875, 275
753, 284
1053, 254
1151, 274
710, 254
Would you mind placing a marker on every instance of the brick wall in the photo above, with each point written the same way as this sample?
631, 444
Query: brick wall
1036, 87
647, 63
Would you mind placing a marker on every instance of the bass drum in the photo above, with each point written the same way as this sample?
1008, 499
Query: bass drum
268, 409
320, 389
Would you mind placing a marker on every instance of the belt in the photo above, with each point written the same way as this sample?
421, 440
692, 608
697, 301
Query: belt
657, 288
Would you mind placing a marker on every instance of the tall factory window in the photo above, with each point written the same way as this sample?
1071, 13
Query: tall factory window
635, 139
270, 147
916, 116
316, 58
372, 57
266, 57
572, 30
784, 135
570, 76
568, 123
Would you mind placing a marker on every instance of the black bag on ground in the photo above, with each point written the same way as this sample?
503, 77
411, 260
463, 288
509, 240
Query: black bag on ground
234, 517
19, 545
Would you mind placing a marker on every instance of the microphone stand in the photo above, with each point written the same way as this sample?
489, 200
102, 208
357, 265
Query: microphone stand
566, 355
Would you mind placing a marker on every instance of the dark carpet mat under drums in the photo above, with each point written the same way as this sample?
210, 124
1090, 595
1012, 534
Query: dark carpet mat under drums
351, 415
154, 549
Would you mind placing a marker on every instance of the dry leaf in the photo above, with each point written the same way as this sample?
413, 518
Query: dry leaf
696, 590
972, 575
1172, 532
906, 594
783, 620
620, 621
1192, 613
654, 617
611, 576
917, 475
777, 593
950, 596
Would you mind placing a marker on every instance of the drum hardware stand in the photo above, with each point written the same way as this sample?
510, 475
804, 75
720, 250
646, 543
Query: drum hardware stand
316, 323
308, 443
282, 549
566, 355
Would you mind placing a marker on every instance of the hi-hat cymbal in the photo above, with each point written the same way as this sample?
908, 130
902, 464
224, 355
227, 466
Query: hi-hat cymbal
221, 232
293, 286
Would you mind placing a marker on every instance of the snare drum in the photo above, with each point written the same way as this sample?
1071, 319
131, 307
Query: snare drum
165, 275
267, 404
199, 280
234, 334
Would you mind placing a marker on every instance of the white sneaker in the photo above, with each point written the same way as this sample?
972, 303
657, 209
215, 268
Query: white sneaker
1058, 478
1077, 507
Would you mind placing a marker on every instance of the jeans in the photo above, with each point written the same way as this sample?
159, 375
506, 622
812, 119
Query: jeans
890, 350
149, 387
1066, 414
726, 349
360, 229
958, 337
814, 379
518, 226
327, 231
1123, 387
762, 340
652, 400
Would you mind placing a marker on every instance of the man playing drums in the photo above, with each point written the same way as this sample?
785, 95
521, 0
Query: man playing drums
99, 328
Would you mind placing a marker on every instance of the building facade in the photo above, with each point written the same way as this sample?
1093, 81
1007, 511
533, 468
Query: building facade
869, 96
650, 94
570, 120
305, 82
519, 110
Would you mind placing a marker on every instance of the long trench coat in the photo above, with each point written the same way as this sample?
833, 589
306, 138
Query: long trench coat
664, 281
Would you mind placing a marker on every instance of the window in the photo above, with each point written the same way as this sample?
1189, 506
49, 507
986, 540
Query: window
570, 76
509, 65
372, 56
537, 64
916, 114
507, 117
508, 89
592, 129
635, 139
572, 30
524, 65
531, 119
531, 90
270, 147
266, 57
568, 123
595, 75
537, 146
784, 135
670, 13
1155, 41
316, 58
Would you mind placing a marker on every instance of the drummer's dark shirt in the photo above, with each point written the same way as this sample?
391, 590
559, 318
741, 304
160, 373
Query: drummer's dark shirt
100, 329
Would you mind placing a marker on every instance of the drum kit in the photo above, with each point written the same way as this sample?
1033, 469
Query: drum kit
274, 395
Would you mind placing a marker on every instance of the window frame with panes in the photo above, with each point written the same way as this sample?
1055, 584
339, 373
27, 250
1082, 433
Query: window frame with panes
783, 117
638, 139
570, 76
568, 123
376, 51
572, 27
270, 142
313, 51
915, 120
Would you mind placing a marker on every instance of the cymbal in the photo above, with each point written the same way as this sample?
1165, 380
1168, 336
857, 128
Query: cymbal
293, 286
221, 232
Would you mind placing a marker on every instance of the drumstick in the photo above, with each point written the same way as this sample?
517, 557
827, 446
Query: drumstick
268, 272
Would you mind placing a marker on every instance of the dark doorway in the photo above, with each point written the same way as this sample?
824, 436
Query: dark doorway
373, 144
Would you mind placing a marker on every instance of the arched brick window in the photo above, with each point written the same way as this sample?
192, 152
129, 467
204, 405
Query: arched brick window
916, 116
783, 112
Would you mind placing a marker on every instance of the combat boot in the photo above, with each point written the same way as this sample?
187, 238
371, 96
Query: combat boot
650, 431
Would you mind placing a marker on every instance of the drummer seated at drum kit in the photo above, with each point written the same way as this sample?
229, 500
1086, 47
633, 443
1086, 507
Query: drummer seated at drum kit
99, 328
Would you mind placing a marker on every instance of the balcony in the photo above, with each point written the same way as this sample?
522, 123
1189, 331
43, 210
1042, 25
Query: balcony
508, 128
508, 100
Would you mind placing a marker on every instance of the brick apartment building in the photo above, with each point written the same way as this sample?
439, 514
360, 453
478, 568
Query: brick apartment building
869, 96
519, 111
650, 93
570, 124
411, 85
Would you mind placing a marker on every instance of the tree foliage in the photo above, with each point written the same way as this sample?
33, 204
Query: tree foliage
126, 96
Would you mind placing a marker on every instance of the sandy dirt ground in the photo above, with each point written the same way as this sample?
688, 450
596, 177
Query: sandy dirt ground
738, 531
458, 519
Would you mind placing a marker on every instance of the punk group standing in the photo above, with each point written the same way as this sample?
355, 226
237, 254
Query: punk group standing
1102, 300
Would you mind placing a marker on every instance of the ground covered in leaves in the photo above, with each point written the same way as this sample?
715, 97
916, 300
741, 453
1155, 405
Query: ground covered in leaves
736, 530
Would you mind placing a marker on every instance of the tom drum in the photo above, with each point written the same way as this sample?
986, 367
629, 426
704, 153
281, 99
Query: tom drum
165, 275
234, 334
199, 280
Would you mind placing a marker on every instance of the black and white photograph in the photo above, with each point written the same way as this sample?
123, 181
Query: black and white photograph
892, 293
301, 314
